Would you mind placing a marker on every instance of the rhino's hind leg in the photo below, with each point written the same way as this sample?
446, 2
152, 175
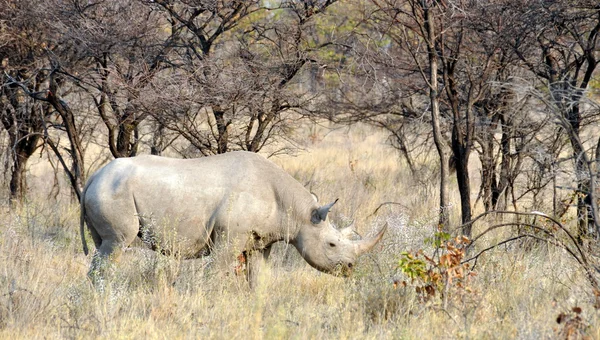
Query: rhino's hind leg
101, 262
98, 269
112, 232
110, 243
97, 239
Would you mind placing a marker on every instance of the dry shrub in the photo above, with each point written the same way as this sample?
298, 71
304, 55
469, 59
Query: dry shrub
571, 325
150, 295
385, 302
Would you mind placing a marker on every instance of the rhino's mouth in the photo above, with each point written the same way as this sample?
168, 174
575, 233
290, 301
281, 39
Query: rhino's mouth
339, 270
342, 270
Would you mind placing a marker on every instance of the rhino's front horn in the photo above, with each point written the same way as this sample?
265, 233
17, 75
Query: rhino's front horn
364, 246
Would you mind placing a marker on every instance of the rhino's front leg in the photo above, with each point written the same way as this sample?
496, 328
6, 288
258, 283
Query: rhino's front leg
266, 252
255, 261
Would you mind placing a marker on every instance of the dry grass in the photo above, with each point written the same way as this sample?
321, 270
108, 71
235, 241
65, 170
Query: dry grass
518, 292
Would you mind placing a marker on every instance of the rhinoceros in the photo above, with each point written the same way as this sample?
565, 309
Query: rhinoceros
187, 206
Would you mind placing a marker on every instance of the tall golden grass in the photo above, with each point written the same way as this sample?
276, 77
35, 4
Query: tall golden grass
519, 290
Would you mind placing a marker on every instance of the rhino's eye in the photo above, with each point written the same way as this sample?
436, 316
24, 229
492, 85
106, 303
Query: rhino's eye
331, 244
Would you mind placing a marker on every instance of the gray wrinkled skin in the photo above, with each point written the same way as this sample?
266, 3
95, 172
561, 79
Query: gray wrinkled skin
186, 206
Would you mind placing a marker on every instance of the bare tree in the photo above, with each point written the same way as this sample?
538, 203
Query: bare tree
22, 79
390, 79
558, 42
241, 92
82, 46
198, 25
461, 57
430, 39
123, 45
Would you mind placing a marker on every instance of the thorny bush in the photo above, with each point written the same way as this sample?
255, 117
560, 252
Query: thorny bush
441, 272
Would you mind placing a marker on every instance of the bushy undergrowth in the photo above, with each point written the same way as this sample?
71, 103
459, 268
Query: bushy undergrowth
523, 289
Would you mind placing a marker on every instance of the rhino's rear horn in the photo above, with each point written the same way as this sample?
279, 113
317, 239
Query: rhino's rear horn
320, 214
364, 246
349, 233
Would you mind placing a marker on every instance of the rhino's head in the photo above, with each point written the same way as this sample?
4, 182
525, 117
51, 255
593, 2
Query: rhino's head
328, 249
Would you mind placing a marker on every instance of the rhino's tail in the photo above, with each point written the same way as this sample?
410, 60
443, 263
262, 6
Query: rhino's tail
82, 220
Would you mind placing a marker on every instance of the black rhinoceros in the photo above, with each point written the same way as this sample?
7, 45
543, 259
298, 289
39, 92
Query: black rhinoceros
186, 206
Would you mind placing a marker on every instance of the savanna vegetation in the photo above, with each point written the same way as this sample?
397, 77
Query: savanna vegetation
470, 127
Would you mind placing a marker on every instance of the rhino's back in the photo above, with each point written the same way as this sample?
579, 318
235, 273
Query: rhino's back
234, 192
214, 175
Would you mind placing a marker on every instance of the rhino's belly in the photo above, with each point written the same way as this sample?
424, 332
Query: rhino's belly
182, 234
188, 223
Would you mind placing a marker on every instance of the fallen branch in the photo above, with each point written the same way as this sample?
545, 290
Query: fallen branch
386, 203
547, 236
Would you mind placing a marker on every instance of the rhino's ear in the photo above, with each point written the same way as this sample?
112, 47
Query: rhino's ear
320, 214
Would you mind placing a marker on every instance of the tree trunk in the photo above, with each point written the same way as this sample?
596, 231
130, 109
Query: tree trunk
158, 140
489, 184
222, 133
24, 137
583, 174
435, 116
461, 156
75, 173
593, 218
18, 179
583, 191
23, 123
126, 144
461, 149
505, 164
24, 145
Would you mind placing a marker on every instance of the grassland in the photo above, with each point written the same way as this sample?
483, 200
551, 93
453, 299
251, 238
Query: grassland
519, 290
